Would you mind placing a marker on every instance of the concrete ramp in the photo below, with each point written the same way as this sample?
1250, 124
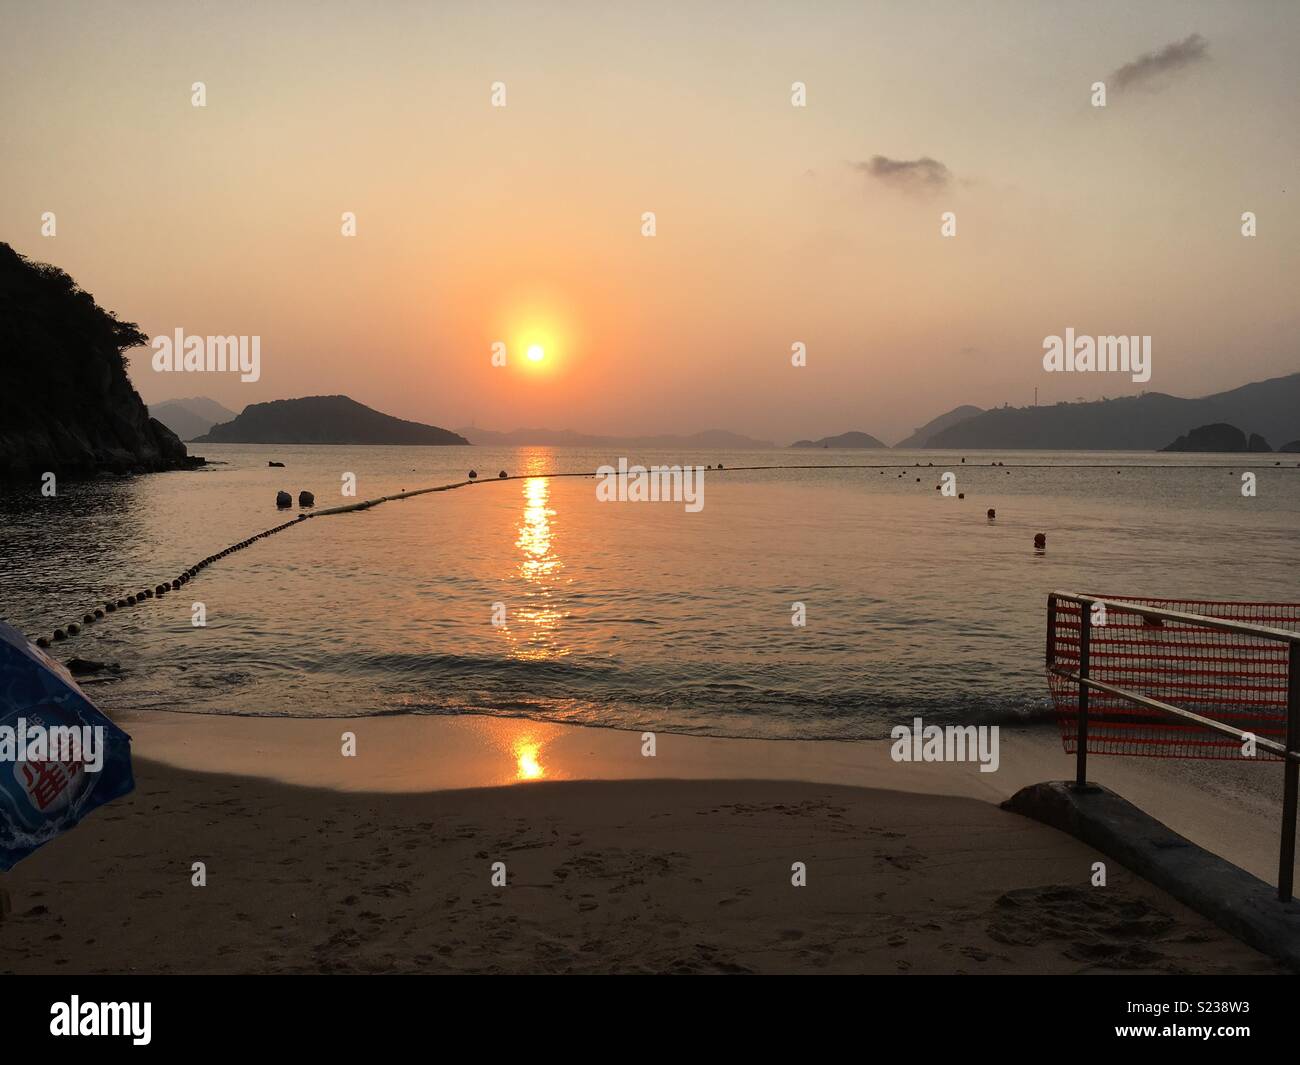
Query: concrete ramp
1229, 896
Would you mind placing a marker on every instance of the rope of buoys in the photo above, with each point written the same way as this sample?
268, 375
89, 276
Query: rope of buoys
111, 606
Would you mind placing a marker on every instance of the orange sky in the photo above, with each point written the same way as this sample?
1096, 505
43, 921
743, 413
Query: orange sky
523, 223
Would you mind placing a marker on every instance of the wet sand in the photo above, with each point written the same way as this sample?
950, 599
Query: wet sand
320, 863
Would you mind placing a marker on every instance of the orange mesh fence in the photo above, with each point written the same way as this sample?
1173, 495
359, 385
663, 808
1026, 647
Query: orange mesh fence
1235, 678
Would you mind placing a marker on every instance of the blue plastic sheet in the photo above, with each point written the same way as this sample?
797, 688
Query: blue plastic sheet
46, 790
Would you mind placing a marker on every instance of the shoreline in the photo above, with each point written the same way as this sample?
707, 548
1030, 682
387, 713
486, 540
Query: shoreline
1228, 808
612, 862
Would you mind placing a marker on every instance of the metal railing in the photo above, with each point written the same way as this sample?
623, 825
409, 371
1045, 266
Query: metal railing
1289, 752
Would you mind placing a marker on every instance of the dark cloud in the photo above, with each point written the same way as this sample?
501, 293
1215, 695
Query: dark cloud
1171, 57
910, 175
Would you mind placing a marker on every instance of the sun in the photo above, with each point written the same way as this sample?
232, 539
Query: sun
536, 353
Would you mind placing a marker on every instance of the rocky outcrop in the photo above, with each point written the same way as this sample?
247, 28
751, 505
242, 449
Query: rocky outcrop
1219, 437
66, 402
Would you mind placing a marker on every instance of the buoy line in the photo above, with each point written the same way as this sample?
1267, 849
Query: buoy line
158, 591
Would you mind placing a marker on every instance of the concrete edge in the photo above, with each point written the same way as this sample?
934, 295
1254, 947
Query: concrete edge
1239, 903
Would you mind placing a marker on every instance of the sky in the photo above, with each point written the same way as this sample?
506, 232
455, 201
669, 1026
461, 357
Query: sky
774, 224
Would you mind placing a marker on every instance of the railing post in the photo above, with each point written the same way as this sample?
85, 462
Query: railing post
1081, 744
1051, 631
1291, 774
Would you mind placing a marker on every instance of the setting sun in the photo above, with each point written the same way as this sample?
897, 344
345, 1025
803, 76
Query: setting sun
536, 353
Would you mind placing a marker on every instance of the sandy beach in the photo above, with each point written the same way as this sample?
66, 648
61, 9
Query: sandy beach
383, 862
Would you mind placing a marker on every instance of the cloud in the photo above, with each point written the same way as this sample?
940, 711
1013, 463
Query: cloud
924, 175
1171, 57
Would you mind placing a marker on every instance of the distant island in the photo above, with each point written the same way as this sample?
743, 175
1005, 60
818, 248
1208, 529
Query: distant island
66, 403
708, 438
192, 417
1219, 437
1136, 423
324, 420
844, 440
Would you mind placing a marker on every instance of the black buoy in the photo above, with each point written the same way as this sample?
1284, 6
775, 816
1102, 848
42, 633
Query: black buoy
502, 474
961, 495
1040, 541
73, 629
283, 499
279, 464
473, 475
992, 513
88, 619
59, 634
306, 499
42, 641
98, 613
719, 465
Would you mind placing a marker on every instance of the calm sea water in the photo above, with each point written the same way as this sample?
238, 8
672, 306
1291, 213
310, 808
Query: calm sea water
633, 615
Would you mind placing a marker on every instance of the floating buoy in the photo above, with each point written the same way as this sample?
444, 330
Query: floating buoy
42, 641
98, 613
306, 499
502, 474
719, 465
961, 495
73, 629
473, 475
283, 499
88, 619
59, 634
1040, 541
992, 513
279, 464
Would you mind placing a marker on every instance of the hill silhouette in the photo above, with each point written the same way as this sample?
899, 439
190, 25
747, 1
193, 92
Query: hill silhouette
188, 418
844, 440
1135, 423
324, 420
66, 402
952, 417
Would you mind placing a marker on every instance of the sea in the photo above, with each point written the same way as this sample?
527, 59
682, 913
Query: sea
816, 594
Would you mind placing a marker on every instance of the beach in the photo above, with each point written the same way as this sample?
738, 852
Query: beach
614, 862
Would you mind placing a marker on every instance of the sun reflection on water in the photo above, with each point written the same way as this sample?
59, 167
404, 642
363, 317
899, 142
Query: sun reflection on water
535, 618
